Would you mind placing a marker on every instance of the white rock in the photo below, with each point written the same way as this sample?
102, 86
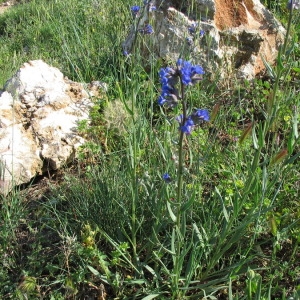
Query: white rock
39, 115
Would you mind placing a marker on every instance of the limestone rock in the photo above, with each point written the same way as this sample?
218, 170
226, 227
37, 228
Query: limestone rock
229, 37
39, 113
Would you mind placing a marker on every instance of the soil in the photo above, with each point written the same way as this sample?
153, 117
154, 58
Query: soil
232, 13
6, 5
3, 8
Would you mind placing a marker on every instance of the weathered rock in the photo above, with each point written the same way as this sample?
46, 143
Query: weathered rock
229, 37
39, 114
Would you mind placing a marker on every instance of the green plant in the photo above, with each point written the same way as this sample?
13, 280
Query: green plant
224, 220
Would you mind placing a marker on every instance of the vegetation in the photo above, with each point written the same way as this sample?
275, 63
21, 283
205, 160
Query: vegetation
148, 211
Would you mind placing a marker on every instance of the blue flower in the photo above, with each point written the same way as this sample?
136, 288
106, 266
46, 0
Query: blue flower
168, 90
167, 178
189, 73
188, 126
192, 28
196, 118
161, 100
189, 41
148, 29
184, 68
169, 96
135, 10
199, 116
197, 70
152, 8
168, 80
166, 74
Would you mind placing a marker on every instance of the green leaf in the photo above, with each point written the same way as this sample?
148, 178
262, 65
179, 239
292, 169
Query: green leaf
254, 139
172, 215
222, 203
122, 96
135, 281
94, 271
297, 70
261, 135
273, 226
246, 133
292, 159
295, 126
185, 206
151, 297
202, 237
270, 70
162, 150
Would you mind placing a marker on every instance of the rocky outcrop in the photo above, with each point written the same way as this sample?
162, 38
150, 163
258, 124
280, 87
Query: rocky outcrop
227, 37
39, 113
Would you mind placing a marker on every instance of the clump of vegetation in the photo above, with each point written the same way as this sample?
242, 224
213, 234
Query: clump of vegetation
183, 190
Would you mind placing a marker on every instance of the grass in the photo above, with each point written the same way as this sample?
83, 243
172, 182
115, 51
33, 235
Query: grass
108, 227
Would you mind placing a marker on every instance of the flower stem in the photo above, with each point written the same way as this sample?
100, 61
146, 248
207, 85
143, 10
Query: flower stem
180, 153
180, 238
288, 30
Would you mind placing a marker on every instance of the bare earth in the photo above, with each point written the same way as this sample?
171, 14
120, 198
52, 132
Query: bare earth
3, 9
6, 5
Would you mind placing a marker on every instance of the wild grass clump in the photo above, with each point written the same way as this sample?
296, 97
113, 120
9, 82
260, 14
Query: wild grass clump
183, 191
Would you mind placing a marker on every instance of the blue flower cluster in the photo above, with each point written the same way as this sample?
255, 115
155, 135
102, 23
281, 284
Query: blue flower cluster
187, 73
135, 9
147, 29
169, 93
193, 28
196, 118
